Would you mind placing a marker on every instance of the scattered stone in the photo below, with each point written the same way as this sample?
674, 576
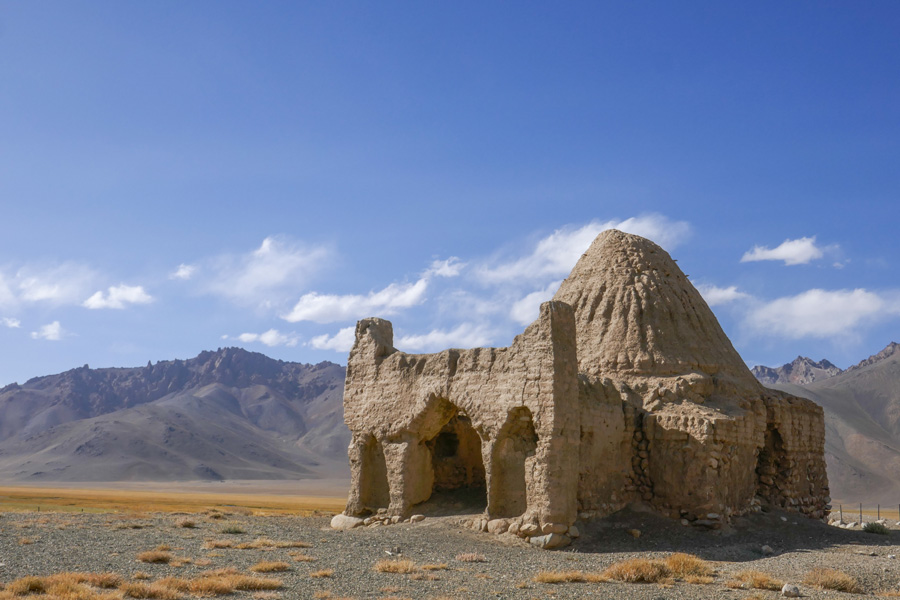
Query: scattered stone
685, 522
343, 522
529, 530
767, 550
416, 518
573, 532
635, 533
497, 526
550, 541
789, 590
395, 519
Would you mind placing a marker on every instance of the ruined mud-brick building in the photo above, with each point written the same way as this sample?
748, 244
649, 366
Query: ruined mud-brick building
624, 389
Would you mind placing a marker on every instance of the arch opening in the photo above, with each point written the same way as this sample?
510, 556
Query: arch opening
513, 455
772, 469
457, 466
374, 492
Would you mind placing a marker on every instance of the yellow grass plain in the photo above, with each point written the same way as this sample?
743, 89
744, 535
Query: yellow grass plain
16, 498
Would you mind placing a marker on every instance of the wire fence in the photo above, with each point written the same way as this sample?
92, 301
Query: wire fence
860, 513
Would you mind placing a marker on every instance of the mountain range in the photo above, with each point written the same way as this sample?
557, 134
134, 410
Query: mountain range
233, 414
229, 414
862, 421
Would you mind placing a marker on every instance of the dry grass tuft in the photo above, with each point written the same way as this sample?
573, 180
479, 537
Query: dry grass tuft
471, 557
155, 557
300, 557
106, 581
25, 541
559, 577
322, 573
187, 524
396, 566
140, 576
26, 585
435, 567
754, 579
829, 579
687, 565
270, 567
152, 590
178, 584
215, 544
639, 570
163, 548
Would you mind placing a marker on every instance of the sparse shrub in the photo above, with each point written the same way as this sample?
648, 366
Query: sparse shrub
155, 557
754, 579
559, 577
639, 570
322, 573
300, 557
26, 585
175, 583
270, 567
104, 580
140, 576
232, 530
690, 568
471, 557
396, 566
187, 524
152, 590
829, 579
435, 567
212, 544
874, 527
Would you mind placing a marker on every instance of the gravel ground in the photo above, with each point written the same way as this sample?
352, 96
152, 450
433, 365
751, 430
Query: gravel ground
45, 543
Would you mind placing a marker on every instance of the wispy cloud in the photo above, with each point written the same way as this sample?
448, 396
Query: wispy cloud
52, 332
10, 322
267, 275
446, 268
270, 338
793, 252
342, 341
821, 313
555, 255
526, 310
183, 272
466, 335
716, 296
329, 308
66, 283
118, 297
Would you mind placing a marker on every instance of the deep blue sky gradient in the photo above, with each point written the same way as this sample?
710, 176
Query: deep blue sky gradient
137, 136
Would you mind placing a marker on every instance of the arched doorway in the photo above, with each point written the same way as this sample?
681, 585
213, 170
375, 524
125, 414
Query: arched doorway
515, 448
374, 492
771, 467
457, 466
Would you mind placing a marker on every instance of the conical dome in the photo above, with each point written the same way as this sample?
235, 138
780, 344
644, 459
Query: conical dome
637, 315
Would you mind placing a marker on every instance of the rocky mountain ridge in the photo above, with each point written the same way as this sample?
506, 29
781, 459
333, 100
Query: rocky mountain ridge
228, 414
803, 370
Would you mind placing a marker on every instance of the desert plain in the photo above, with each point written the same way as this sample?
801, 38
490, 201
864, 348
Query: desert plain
267, 541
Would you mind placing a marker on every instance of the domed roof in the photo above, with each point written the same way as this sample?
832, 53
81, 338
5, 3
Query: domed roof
636, 314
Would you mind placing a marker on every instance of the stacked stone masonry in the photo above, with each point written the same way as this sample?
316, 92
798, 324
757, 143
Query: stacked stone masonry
625, 389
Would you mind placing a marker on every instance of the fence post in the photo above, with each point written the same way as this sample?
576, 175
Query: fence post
878, 513
860, 513
841, 508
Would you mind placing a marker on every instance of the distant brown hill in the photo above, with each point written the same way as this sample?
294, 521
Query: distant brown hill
862, 421
229, 414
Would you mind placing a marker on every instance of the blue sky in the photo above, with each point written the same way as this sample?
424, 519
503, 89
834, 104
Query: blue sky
180, 176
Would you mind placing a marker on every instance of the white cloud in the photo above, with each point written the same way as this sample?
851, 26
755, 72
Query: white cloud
342, 341
556, 254
277, 266
10, 322
328, 308
526, 310
466, 335
67, 283
793, 252
446, 268
820, 313
52, 332
715, 295
7, 296
270, 338
183, 272
118, 296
